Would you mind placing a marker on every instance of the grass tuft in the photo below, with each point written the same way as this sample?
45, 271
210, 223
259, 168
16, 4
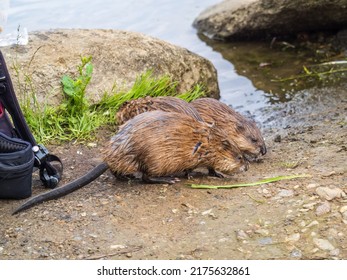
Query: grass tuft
75, 119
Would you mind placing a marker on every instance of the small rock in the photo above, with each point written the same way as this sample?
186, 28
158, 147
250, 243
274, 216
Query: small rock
285, 193
293, 238
335, 252
207, 212
330, 193
83, 214
92, 145
118, 246
343, 209
174, 211
323, 208
309, 205
311, 186
265, 241
263, 232
296, 253
241, 234
313, 223
323, 244
1, 249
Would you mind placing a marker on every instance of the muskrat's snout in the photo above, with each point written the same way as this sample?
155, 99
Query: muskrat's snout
263, 150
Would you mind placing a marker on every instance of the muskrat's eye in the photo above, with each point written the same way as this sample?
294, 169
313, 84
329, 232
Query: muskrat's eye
254, 140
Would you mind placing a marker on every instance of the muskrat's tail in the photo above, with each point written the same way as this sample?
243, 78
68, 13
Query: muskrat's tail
64, 190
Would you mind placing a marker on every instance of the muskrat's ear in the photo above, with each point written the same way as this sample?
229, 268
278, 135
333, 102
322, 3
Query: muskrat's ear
226, 143
240, 127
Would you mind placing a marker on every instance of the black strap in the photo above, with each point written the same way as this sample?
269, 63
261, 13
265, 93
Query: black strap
49, 174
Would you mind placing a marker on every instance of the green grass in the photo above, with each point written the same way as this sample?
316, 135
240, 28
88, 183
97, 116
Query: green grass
261, 182
75, 119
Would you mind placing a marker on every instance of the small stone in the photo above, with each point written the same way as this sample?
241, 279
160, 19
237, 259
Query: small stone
313, 223
335, 252
92, 145
1, 249
309, 205
343, 209
296, 253
293, 238
265, 241
285, 193
323, 244
311, 186
263, 232
174, 211
207, 212
330, 193
241, 234
93, 235
323, 208
83, 214
118, 246
129, 255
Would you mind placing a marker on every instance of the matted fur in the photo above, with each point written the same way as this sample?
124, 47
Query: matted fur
135, 107
243, 131
162, 143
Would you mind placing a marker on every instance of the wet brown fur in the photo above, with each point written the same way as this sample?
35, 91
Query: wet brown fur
161, 143
135, 107
243, 131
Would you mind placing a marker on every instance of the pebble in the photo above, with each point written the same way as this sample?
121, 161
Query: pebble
330, 193
265, 241
296, 253
293, 238
241, 234
1, 249
263, 232
313, 223
323, 208
285, 193
311, 186
323, 244
118, 246
343, 209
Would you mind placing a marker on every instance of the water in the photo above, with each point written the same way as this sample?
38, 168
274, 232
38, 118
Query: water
242, 83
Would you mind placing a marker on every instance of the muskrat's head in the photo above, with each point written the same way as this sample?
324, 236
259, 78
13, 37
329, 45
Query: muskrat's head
225, 155
249, 140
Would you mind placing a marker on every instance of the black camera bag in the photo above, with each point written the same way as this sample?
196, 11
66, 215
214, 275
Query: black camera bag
20, 155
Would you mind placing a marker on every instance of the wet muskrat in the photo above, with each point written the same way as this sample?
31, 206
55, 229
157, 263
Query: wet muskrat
159, 144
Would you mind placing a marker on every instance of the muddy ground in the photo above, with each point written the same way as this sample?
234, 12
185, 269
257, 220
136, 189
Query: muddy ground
294, 219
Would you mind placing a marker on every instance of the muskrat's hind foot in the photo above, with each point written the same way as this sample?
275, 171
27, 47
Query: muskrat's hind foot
158, 180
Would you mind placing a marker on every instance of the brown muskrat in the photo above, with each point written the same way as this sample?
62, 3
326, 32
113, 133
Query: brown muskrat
132, 108
243, 131
158, 144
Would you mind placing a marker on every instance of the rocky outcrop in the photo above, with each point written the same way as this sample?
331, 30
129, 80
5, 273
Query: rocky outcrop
118, 58
254, 19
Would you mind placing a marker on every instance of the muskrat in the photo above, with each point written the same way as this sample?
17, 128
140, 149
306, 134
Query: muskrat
243, 131
132, 108
158, 144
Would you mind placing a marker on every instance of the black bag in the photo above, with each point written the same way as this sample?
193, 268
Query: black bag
16, 167
20, 155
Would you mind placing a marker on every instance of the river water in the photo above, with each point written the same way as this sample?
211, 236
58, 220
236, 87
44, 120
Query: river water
242, 83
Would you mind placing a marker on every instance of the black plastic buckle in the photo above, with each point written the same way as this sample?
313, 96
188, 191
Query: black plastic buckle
40, 153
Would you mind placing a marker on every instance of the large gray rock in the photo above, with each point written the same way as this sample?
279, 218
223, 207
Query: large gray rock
253, 19
118, 58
